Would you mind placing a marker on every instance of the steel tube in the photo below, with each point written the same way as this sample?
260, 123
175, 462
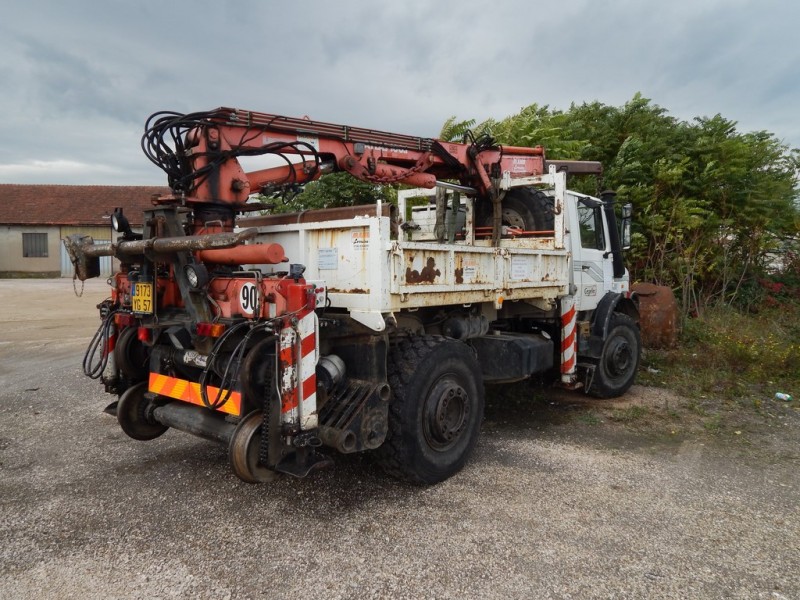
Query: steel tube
456, 188
168, 245
254, 254
196, 420
342, 440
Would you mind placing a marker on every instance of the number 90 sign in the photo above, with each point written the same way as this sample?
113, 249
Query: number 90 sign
248, 298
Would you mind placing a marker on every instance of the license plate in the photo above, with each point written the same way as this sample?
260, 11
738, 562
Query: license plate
142, 299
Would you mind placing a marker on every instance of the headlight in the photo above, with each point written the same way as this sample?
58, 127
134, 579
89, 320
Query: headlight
120, 222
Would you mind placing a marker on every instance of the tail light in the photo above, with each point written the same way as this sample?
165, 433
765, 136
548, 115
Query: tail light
210, 329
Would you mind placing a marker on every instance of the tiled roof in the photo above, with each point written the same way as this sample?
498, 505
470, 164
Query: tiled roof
73, 204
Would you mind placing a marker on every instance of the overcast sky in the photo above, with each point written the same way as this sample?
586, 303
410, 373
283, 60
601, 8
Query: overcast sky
79, 78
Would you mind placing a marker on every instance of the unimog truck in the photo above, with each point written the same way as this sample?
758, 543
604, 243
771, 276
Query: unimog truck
376, 328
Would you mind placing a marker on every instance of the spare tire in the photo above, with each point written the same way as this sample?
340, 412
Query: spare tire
526, 208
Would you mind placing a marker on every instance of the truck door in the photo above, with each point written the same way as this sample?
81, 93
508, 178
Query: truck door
592, 268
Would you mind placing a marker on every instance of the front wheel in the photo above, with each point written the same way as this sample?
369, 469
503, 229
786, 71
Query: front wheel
436, 409
616, 369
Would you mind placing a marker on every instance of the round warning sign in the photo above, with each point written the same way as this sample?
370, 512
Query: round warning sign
248, 299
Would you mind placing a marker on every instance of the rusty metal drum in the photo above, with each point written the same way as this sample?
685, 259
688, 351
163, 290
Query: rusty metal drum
658, 312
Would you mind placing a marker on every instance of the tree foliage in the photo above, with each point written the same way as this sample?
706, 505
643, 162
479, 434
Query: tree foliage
712, 205
334, 190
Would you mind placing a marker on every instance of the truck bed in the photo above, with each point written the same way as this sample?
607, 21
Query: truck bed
368, 268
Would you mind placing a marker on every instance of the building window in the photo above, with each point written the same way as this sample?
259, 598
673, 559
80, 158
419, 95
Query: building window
34, 245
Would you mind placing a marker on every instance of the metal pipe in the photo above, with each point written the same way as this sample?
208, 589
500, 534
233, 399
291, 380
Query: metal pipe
166, 245
196, 420
342, 440
456, 187
253, 254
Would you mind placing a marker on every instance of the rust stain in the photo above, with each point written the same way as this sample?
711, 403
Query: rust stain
428, 274
353, 291
459, 275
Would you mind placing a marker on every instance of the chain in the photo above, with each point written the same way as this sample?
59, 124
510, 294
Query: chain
74, 287
421, 165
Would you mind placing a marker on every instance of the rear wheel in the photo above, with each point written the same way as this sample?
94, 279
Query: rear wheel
616, 369
436, 409
132, 414
244, 449
131, 355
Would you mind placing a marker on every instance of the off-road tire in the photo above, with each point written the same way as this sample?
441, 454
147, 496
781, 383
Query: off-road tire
436, 409
527, 208
616, 370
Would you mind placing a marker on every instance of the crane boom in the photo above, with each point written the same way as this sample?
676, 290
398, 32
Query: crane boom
203, 165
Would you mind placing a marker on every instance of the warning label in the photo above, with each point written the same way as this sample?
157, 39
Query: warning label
360, 239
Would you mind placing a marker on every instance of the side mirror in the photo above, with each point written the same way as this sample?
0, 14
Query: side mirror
625, 225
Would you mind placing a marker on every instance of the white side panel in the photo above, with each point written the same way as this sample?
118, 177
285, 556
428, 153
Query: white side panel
372, 276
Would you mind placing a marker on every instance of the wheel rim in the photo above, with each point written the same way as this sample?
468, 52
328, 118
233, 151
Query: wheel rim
513, 218
619, 357
132, 416
243, 451
446, 415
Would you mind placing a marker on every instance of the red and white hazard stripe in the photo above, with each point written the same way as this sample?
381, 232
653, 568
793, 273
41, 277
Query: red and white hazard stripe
568, 340
298, 363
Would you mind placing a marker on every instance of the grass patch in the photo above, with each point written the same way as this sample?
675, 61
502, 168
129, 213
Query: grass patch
742, 358
589, 418
629, 414
713, 424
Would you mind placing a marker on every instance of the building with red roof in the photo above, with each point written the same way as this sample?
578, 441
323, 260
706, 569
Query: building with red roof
35, 218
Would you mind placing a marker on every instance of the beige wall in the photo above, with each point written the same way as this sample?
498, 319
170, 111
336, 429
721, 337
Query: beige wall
13, 264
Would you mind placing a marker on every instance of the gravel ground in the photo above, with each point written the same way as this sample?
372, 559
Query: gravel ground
546, 508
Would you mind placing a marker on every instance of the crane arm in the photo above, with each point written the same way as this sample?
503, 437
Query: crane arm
203, 164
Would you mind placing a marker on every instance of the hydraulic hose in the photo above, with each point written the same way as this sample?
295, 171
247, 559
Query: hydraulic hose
93, 366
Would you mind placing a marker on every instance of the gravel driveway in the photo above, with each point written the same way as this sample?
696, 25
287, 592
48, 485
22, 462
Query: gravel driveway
546, 508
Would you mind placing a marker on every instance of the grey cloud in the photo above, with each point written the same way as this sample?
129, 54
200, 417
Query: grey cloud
80, 83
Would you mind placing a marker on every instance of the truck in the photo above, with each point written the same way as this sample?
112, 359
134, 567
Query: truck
292, 337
